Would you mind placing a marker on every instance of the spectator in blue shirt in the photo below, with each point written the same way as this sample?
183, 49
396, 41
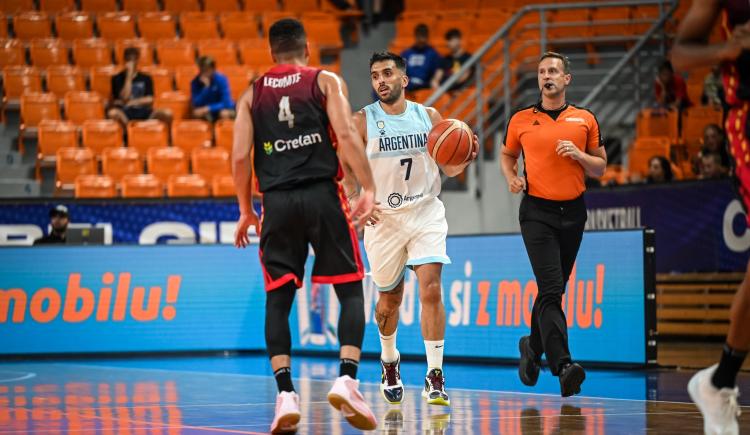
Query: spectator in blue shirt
209, 92
423, 63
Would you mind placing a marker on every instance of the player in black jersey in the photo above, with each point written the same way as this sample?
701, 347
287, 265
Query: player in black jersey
296, 123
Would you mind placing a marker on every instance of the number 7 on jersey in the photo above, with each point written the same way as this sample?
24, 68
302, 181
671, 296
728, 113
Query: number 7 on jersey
285, 112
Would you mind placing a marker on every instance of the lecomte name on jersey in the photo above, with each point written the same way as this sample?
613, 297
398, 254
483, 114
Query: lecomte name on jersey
403, 142
282, 145
282, 82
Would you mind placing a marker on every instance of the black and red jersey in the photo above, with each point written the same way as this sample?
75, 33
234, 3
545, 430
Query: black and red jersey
736, 73
293, 142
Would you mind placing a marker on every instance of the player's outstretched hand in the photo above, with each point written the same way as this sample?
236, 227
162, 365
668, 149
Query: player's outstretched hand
363, 209
241, 239
375, 217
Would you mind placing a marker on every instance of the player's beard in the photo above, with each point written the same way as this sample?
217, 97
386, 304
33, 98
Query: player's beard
394, 95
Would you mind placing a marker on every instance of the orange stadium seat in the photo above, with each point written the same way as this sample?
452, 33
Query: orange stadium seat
18, 79
32, 24
221, 5
192, 185
92, 52
173, 53
450, 5
95, 186
57, 6
301, 6
64, 78
490, 22
261, 6
463, 21
239, 78
181, 5
12, 6
120, 162
211, 162
569, 23
145, 134
224, 133
643, 149
611, 21
255, 52
81, 106
199, 25
419, 5
100, 134
327, 32
176, 102
72, 162
162, 77
166, 161
238, 25
53, 135
74, 25
183, 75
100, 79
223, 185
189, 134
47, 52
11, 52
649, 124
222, 51
4, 31
146, 52
140, 5
157, 25
694, 121
36, 107
142, 186
99, 5
116, 25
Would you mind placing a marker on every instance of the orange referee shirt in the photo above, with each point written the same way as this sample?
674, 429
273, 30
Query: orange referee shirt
535, 133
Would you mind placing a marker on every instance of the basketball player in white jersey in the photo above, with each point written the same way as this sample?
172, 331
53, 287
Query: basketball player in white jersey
409, 227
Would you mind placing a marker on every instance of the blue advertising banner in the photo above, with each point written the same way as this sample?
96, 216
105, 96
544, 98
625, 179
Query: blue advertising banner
127, 222
164, 298
690, 218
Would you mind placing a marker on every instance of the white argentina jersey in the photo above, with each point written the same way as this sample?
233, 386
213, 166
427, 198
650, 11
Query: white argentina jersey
405, 175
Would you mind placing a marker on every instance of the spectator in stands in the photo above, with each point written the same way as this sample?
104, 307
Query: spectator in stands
714, 142
422, 61
209, 92
659, 170
713, 90
670, 90
133, 93
455, 60
711, 168
59, 219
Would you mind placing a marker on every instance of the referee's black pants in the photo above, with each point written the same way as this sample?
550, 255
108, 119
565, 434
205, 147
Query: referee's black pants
552, 232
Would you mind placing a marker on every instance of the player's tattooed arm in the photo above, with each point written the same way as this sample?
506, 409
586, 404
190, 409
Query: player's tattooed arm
451, 171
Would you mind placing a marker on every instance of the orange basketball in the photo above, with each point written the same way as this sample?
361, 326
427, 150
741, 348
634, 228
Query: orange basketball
450, 142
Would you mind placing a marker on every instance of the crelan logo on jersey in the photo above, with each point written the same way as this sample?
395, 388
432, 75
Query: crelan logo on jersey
282, 145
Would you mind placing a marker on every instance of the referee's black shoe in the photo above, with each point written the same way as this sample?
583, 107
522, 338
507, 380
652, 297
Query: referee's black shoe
571, 377
530, 363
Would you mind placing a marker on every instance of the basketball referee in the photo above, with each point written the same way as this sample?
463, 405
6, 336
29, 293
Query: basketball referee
560, 144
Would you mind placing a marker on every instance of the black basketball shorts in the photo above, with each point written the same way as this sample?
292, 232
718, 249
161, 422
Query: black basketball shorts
316, 215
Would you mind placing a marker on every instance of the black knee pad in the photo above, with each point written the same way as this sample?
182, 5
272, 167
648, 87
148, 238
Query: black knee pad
278, 306
352, 317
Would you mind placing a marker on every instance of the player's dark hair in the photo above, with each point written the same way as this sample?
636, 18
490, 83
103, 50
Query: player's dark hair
287, 36
422, 30
380, 56
666, 66
452, 33
562, 57
131, 52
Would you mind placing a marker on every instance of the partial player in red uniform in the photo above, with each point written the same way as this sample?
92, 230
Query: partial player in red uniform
292, 119
714, 389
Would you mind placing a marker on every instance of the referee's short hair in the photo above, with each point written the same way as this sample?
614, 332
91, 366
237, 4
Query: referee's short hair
562, 57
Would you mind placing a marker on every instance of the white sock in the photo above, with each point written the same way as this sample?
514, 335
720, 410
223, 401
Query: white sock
434, 351
388, 352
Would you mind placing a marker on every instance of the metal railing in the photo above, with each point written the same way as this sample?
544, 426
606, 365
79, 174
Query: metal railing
500, 62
